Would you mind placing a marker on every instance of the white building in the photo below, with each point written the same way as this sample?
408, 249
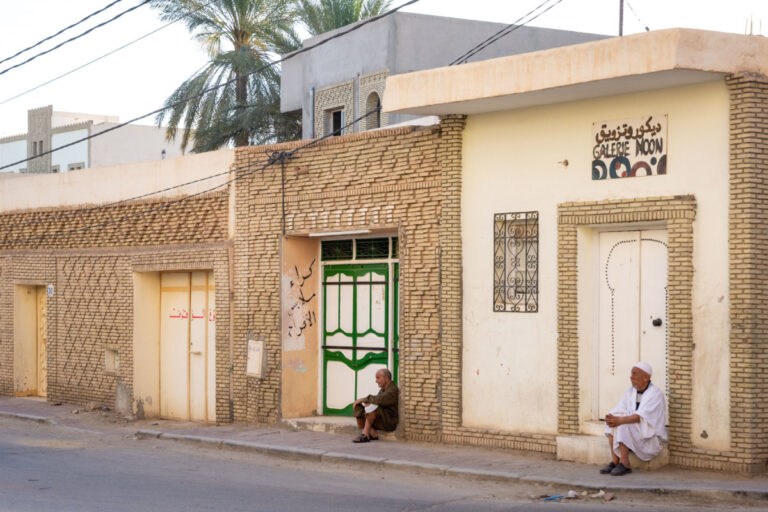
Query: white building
47, 129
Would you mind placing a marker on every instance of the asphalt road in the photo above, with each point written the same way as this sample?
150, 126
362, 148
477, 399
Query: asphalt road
54, 468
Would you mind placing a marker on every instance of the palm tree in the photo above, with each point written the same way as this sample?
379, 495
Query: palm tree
240, 36
320, 16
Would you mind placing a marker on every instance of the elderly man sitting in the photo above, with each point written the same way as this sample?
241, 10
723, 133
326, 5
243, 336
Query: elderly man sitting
377, 412
637, 423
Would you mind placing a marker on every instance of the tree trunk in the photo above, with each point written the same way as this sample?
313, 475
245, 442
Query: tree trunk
241, 97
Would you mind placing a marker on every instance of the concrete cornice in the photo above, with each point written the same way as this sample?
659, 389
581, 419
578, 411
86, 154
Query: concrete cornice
644, 61
79, 125
13, 138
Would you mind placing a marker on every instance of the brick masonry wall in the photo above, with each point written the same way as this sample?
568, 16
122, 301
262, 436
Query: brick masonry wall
332, 98
92, 273
748, 250
387, 179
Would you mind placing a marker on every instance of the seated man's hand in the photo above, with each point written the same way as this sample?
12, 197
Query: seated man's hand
612, 421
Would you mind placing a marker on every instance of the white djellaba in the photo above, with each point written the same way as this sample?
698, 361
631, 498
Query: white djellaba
645, 438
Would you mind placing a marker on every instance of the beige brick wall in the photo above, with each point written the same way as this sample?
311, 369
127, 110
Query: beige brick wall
748, 275
388, 179
92, 273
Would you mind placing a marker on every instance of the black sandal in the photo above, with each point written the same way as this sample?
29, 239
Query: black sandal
362, 438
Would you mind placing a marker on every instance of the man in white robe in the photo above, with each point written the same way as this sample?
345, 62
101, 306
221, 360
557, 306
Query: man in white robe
637, 423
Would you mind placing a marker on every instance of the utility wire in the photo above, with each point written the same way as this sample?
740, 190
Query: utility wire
275, 157
636, 16
205, 91
503, 32
103, 56
60, 31
73, 38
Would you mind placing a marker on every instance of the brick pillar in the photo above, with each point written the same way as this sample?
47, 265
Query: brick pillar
748, 268
39, 131
567, 326
450, 270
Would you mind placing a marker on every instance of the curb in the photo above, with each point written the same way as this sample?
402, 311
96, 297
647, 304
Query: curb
316, 455
27, 417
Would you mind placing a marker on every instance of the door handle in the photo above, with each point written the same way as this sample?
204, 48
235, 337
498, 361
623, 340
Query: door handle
656, 322
196, 352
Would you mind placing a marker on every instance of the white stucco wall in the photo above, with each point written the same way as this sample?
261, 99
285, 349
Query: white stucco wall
13, 152
115, 183
130, 143
72, 154
511, 165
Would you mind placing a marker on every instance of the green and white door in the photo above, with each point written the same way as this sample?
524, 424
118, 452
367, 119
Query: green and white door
359, 331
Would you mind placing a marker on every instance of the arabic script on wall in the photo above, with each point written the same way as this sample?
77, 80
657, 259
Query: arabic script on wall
301, 310
629, 147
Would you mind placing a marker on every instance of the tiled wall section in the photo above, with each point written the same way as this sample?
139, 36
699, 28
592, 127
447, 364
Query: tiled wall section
748, 235
92, 272
174, 221
373, 82
389, 179
333, 97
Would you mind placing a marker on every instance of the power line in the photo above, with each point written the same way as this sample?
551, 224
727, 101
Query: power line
637, 17
503, 32
73, 38
103, 56
273, 159
223, 84
60, 31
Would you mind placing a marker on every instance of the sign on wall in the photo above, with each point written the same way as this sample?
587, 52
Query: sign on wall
629, 147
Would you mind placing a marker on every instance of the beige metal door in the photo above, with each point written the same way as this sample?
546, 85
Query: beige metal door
42, 342
187, 346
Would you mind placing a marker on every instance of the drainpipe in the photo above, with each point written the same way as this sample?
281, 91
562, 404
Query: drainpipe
312, 112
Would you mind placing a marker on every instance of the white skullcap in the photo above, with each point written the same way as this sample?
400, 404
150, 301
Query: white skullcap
645, 367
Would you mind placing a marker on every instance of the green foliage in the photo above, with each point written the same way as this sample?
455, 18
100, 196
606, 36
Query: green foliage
320, 16
240, 36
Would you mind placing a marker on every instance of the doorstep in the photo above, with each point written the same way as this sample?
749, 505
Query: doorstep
329, 425
593, 449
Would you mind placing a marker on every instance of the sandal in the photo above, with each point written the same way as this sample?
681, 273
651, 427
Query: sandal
373, 438
620, 470
362, 438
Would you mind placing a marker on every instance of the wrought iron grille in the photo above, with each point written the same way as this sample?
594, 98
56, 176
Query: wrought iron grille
371, 248
516, 262
336, 250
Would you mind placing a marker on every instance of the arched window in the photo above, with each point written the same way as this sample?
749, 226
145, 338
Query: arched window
373, 103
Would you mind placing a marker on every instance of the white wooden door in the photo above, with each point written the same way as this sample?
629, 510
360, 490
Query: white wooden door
632, 314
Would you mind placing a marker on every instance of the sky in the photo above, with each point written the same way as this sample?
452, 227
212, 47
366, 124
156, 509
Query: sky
137, 79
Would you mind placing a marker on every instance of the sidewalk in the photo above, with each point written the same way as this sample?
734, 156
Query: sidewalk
464, 461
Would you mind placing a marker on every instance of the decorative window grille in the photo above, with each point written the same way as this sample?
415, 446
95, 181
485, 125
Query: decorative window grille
516, 262
336, 250
371, 248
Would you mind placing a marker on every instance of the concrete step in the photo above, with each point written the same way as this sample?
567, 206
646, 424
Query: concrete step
587, 449
329, 425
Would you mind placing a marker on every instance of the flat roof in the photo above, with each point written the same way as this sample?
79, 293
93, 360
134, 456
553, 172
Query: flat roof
619, 65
